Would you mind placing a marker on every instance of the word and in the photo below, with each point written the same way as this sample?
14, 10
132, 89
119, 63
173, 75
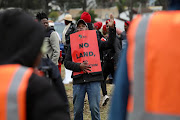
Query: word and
84, 54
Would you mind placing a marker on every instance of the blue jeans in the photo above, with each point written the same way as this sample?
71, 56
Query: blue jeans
93, 92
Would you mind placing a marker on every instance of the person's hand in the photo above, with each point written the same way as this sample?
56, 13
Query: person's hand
85, 67
111, 22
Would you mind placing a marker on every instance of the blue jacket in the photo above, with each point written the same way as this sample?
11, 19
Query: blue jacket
121, 90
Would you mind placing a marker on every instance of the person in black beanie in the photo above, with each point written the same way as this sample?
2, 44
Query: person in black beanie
31, 97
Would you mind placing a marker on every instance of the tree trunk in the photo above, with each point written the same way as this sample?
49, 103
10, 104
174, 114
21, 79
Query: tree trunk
84, 5
131, 10
1, 3
46, 7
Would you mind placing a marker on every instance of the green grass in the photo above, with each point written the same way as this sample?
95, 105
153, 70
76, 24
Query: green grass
87, 114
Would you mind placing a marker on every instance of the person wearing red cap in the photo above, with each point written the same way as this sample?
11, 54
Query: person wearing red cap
87, 18
104, 31
98, 26
124, 34
109, 20
88, 82
126, 26
110, 61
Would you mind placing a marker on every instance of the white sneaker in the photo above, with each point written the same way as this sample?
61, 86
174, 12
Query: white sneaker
105, 100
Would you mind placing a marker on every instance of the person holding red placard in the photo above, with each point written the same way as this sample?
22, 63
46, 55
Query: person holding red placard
85, 78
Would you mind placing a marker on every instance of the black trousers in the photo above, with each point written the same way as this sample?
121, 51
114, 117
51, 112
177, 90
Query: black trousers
108, 68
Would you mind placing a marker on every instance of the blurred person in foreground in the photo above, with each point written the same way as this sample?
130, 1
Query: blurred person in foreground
147, 82
88, 82
25, 95
51, 41
48, 69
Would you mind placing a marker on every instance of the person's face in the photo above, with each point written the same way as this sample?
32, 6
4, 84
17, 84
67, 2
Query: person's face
81, 27
66, 22
45, 23
126, 27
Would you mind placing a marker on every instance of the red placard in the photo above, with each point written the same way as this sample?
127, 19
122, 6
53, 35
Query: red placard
84, 47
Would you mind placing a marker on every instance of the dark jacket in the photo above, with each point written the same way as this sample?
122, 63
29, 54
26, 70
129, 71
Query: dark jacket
112, 55
71, 29
75, 67
124, 41
117, 48
54, 75
99, 36
44, 101
20, 44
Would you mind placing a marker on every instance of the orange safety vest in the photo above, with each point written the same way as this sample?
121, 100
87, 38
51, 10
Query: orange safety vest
13, 86
153, 59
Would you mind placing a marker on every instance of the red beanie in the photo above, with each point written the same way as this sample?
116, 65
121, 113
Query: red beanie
86, 17
127, 22
109, 20
98, 25
104, 27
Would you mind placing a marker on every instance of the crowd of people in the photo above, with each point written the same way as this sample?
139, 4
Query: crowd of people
140, 61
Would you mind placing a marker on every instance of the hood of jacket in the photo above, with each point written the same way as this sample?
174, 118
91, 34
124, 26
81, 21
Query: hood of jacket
20, 38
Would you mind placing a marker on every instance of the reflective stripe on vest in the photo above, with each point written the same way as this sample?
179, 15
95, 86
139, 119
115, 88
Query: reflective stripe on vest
14, 84
139, 92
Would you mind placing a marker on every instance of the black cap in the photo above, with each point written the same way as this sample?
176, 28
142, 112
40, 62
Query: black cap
81, 21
